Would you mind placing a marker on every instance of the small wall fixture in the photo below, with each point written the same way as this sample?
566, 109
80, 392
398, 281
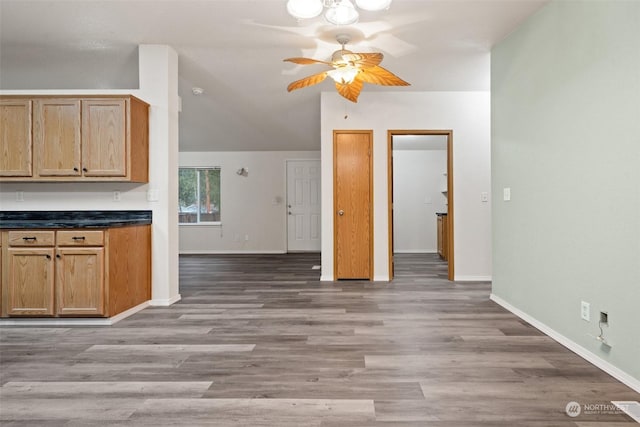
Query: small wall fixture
243, 171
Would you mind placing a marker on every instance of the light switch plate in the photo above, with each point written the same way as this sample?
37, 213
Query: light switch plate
484, 196
585, 311
506, 194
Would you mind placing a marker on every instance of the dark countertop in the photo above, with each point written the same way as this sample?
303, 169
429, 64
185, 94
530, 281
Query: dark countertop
441, 213
72, 219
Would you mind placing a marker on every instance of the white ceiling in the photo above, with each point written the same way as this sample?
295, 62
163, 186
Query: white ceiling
233, 49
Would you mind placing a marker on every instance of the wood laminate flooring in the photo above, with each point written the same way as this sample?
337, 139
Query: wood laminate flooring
257, 340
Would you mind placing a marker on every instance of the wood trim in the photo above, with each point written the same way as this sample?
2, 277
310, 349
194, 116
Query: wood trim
371, 195
451, 210
390, 201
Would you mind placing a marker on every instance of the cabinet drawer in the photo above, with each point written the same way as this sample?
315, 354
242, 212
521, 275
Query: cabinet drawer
31, 238
81, 238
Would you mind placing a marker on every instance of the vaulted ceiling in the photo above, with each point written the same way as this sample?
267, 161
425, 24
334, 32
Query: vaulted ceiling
233, 49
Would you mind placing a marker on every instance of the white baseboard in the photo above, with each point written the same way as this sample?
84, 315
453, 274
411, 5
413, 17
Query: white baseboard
380, 278
165, 302
232, 252
414, 251
78, 321
326, 278
472, 278
587, 355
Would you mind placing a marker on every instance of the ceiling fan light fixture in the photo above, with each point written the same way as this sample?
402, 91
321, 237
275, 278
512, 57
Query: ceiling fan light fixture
373, 5
342, 12
305, 9
344, 75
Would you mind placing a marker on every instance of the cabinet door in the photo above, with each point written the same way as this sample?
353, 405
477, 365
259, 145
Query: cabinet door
15, 137
30, 282
56, 134
104, 137
80, 281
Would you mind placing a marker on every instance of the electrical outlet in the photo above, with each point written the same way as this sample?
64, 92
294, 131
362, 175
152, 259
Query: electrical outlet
604, 317
585, 311
246, 237
153, 195
116, 196
19, 196
484, 196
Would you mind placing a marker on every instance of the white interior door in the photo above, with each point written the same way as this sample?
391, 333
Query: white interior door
303, 205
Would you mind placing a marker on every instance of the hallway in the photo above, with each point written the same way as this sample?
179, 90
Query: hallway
257, 340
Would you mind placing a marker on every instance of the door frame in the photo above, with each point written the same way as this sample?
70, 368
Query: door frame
449, 134
335, 212
286, 200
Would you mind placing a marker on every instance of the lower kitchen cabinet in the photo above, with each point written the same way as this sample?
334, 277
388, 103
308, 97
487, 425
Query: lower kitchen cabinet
30, 282
75, 273
80, 282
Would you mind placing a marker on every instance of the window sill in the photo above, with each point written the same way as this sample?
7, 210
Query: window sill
200, 224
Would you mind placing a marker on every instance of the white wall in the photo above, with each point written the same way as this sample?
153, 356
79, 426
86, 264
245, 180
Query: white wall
467, 114
253, 206
418, 181
566, 140
158, 86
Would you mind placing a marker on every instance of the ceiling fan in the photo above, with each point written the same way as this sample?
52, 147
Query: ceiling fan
350, 71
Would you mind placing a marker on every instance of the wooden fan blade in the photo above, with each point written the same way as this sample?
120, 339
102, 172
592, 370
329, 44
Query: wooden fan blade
364, 60
380, 76
351, 90
307, 81
305, 61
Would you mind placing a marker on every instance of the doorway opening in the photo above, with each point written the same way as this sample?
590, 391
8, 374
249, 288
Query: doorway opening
434, 205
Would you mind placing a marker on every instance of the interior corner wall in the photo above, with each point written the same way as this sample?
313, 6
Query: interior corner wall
566, 141
158, 86
468, 115
419, 178
253, 207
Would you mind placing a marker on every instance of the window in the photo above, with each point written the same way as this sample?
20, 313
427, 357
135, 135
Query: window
199, 195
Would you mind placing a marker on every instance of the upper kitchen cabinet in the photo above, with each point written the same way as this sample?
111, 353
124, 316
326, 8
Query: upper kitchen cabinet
89, 138
56, 137
15, 138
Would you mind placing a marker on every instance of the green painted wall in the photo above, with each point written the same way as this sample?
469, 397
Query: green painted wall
566, 140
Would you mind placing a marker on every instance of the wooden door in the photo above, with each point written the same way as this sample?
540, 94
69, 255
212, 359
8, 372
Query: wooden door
104, 137
303, 205
353, 196
30, 282
15, 137
80, 281
56, 135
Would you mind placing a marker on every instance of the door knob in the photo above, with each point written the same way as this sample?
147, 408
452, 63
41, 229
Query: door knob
289, 206
290, 213
340, 212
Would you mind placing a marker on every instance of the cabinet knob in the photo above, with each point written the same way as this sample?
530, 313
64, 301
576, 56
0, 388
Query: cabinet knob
75, 169
85, 170
48, 256
58, 256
